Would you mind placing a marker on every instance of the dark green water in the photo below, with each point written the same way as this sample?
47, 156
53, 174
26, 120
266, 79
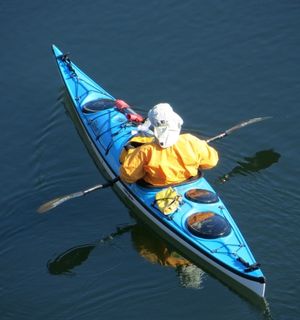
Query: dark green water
217, 63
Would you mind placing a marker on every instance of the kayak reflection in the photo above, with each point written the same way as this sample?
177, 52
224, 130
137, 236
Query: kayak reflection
157, 251
260, 161
149, 246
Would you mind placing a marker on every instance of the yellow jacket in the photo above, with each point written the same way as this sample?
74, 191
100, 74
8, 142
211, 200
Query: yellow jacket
175, 164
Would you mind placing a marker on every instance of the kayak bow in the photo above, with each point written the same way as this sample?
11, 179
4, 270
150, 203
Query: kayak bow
202, 229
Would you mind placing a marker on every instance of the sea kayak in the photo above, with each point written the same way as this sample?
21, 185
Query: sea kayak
201, 227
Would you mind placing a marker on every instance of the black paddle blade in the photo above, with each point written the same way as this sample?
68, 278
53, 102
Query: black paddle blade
57, 201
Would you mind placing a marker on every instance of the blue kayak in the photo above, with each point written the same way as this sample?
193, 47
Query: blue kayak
201, 227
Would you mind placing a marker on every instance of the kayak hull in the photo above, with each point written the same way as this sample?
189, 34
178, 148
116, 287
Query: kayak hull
105, 132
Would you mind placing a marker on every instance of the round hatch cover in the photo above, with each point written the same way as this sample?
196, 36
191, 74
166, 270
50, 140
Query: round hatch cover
98, 105
208, 225
201, 196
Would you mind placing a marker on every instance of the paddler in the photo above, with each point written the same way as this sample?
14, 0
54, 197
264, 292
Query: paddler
169, 157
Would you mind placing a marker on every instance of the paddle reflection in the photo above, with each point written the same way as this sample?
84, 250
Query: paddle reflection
146, 242
75, 256
260, 161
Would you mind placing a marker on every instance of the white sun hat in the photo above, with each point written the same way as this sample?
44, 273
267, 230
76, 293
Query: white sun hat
166, 124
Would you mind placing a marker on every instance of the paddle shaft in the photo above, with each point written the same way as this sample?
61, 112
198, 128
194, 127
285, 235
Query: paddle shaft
236, 127
96, 187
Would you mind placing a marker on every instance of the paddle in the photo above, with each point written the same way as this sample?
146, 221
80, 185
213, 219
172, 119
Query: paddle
57, 201
236, 127
68, 260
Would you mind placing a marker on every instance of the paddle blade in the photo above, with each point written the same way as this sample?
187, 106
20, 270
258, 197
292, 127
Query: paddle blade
57, 201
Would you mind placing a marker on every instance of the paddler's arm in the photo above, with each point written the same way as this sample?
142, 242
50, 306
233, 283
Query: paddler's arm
132, 168
208, 156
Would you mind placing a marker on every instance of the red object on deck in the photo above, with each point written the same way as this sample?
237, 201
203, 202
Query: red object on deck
121, 104
130, 114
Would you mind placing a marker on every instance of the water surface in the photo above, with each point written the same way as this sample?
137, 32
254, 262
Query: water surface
217, 63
